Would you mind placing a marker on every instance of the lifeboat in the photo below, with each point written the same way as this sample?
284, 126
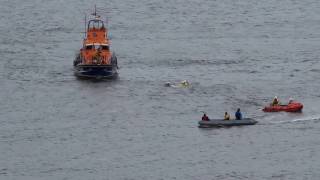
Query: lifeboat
95, 60
291, 107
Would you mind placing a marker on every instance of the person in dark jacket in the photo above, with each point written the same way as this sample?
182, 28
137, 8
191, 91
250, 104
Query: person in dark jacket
238, 114
205, 117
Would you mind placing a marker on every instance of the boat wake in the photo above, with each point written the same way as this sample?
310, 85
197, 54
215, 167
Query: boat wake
312, 118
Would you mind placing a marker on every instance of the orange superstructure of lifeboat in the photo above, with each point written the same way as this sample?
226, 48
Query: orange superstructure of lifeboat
95, 58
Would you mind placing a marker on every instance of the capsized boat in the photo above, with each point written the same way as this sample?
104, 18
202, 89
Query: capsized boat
95, 60
226, 123
291, 107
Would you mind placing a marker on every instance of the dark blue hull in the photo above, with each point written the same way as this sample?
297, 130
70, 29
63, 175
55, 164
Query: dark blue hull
96, 71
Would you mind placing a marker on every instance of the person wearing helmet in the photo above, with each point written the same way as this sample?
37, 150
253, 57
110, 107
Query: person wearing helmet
275, 101
290, 100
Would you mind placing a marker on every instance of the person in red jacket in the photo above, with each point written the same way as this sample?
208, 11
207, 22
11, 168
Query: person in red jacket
205, 117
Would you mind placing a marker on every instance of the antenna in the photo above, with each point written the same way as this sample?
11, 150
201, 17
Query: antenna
85, 25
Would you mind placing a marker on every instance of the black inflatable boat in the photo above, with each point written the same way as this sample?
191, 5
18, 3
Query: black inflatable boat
224, 123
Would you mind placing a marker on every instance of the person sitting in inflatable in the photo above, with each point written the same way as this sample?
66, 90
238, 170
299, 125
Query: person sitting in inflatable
238, 114
290, 100
226, 116
275, 101
205, 117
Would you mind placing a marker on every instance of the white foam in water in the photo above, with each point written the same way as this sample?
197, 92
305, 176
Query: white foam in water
310, 118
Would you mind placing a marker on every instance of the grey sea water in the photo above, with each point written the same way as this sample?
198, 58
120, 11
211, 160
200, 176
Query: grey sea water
234, 53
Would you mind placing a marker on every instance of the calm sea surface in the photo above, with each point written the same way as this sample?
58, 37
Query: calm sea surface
234, 54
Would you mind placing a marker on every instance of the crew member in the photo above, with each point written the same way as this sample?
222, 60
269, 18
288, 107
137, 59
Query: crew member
226, 116
275, 101
290, 100
205, 117
238, 114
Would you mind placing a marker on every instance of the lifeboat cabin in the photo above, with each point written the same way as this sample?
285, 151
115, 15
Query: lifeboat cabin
95, 60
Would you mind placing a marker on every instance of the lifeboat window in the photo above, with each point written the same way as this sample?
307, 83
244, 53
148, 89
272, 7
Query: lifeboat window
97, 24
105, 47
89, 47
